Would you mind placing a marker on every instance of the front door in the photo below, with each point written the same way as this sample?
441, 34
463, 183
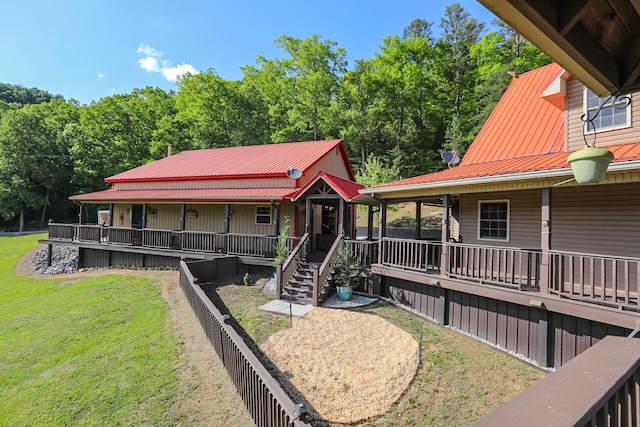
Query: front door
136, 216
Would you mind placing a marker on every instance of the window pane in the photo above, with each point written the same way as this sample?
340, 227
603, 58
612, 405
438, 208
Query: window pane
493, 220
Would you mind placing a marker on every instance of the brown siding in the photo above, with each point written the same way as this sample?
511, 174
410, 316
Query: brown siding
166, 217
210, 218
596, 219
243, 220
510, 326
525, 218
575, 110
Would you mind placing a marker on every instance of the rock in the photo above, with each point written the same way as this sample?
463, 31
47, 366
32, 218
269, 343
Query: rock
63, 260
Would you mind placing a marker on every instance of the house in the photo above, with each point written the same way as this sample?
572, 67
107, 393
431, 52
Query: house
225, 203
528, 259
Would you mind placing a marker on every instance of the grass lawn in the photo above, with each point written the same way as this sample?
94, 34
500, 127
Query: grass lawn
458, 381
94, 352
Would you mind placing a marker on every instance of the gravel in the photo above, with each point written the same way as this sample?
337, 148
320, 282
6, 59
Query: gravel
63, 260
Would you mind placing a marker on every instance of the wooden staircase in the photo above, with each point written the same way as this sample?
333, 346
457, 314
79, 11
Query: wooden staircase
300, 286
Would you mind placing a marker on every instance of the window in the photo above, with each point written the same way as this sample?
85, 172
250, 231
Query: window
614, 115
263, 215
493, 220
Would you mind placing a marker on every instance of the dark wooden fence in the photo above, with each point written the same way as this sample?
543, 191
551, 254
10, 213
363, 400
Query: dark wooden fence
600, 387
263, 396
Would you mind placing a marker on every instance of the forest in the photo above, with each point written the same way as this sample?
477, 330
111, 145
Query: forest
418, 96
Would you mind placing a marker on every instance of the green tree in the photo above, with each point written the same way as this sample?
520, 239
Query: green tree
35, 164
377, 171
300, 89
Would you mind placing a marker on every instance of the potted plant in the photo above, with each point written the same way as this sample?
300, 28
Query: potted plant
346, 273
590, 164
281, 247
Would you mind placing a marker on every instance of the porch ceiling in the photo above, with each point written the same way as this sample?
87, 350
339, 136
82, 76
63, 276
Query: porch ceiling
596, 41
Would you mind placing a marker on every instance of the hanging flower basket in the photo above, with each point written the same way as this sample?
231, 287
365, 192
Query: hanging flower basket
590, 164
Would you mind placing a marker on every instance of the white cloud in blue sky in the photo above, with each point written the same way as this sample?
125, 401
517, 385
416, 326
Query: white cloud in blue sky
151, 64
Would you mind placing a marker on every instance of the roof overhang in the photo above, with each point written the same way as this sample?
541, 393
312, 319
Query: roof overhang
216, 195
444, 187
596, 41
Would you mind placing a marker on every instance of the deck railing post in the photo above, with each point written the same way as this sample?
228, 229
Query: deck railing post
545, 241
444, 255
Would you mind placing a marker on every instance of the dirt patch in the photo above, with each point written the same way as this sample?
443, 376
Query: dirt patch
350, 366
210, 398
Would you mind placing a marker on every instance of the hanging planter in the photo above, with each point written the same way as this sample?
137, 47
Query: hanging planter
590, 164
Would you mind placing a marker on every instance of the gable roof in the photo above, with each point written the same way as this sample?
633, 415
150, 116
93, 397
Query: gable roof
348, 190
203, 195
271, 160
522, 139
523, 123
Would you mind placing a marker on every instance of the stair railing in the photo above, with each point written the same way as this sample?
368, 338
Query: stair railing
286, 270
321, 275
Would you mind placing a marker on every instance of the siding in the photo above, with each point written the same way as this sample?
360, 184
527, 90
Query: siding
575, 110
210, 218
243, 220
163, 217
524, 218
331, 163
260, 182
513, 327
596, 219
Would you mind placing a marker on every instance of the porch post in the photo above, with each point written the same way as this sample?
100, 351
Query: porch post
341, 214
276, 221
545, 241
183, 216
370, 223
227, 217
418, 214
444, 238
144, 215
111, 209
307, 216
382, 230
80, 220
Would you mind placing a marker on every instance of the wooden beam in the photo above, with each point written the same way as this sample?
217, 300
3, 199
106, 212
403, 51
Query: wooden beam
569, 13
628, 15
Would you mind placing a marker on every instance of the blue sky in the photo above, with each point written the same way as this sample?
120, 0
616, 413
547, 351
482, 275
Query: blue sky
87, 49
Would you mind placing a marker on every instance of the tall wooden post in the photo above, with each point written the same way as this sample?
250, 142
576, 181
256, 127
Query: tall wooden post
308, 211
341, 215
276, 222
444, 238
382, 230
111, 211
227, 218
370, 223
144, 215
418, 218
80, 215
545, 240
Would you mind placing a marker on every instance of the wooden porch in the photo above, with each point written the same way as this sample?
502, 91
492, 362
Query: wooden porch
609, 282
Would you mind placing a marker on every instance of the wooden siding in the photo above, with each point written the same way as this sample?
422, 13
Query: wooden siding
524, 218
574, 124
243, 220
596, 219
548, 338
210, 218
121, 216
163, 217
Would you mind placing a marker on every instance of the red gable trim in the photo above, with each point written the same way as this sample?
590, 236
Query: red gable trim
348, 190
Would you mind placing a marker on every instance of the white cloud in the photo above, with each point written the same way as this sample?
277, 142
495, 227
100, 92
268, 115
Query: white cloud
172, 73
152, 65
147, 50
101, 76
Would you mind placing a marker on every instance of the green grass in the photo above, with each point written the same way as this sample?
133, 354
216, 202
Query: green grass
92, 352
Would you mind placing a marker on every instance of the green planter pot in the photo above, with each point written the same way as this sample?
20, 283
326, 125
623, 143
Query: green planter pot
344, 292
590, 164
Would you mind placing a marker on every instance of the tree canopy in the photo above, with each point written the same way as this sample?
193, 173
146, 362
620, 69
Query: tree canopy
396, 112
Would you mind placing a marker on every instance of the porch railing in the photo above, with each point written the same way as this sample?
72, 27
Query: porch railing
366, 251
288, 268
232, 244
599, 387
321, 276
415, 255
517, 268
596, 278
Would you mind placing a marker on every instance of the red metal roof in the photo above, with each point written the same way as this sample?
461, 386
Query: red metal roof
348, 190
196, 196
523, 123
534, 163
247, 161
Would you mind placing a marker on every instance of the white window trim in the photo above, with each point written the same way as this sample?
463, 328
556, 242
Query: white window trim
607, 129
270, 215
508, 202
